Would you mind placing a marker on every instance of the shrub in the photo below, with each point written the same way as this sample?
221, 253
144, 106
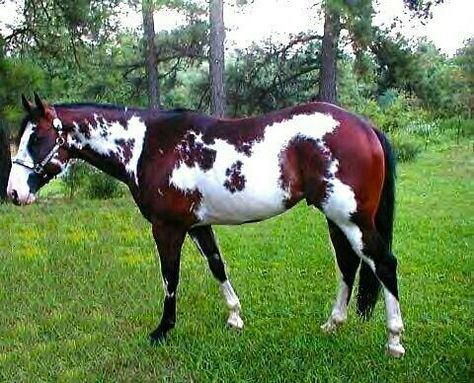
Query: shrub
457, 127
74, 178
101, 186
406, 149
429, 132
393, 111
92, 183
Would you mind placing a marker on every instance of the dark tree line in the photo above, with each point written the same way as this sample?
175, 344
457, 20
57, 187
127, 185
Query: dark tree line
5, 163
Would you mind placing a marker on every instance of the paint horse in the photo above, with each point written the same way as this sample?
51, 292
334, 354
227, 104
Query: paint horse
187, 172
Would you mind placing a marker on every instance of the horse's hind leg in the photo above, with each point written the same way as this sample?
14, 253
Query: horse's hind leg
384, 265
348, 262
368, 244
203, 237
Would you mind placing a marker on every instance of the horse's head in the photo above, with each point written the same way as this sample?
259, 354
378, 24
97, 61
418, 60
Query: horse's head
41, 153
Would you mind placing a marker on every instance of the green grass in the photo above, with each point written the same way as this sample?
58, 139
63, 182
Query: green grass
80, 290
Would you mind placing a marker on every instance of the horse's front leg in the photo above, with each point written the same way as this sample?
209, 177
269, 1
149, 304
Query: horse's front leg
203, 237
169, 239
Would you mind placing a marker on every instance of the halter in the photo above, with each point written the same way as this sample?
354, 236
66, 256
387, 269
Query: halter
38, 167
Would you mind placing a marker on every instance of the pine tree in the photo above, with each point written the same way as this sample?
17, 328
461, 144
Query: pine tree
216, 57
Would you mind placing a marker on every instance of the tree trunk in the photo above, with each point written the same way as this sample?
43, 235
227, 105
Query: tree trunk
216, 59
5, 164
327, 72
151, 64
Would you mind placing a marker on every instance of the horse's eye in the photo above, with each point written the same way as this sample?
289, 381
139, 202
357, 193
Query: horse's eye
35, 139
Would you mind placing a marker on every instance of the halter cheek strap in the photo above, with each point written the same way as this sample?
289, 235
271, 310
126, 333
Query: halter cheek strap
38, 167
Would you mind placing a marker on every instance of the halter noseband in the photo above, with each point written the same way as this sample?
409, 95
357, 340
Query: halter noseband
38, 167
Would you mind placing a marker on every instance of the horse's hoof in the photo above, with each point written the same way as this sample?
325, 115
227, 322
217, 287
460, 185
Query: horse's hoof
235, 321
395, 349
157, 338
329, 327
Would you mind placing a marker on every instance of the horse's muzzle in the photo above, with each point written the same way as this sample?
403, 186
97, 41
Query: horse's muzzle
23, 200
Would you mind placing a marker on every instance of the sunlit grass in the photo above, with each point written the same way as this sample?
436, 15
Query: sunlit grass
80, 290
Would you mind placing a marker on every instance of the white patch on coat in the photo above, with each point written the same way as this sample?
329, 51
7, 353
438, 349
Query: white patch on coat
106, 144
18, 179
262, 195
138, 128
340, 202
339, 205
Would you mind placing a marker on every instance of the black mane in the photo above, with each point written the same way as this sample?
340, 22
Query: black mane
77, 105
80, 105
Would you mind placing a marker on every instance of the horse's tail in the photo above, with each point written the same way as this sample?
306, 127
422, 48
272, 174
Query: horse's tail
369, 285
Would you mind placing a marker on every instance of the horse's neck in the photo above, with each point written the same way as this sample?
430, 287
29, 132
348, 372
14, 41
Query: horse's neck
112, 143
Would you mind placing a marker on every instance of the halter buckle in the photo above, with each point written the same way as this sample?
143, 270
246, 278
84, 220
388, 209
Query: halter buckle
60, 141
38, 169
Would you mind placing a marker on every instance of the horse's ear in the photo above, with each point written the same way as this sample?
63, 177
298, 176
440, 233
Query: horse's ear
27, 105
40, 105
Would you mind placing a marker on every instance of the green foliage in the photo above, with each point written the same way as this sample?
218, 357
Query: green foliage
272, 76
78, 48
75, 177
406, 149
392, 112
456, 128
17, 76
396, 64
464, 76
411, 127
80, 178
442, 85
102, 186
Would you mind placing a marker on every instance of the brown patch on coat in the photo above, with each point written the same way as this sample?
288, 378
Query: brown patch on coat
193, 153
85, 130
235, 179
304, 169
126, 149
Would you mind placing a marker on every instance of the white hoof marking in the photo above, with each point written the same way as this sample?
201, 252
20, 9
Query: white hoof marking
329, 327
394, 347
235, 321
396, 350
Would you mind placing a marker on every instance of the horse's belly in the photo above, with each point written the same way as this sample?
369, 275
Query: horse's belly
231, 194
219, 206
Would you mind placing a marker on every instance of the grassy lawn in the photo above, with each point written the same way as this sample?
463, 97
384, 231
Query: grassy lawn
80, 290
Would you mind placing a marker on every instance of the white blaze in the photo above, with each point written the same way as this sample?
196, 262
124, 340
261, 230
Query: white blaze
18, 179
